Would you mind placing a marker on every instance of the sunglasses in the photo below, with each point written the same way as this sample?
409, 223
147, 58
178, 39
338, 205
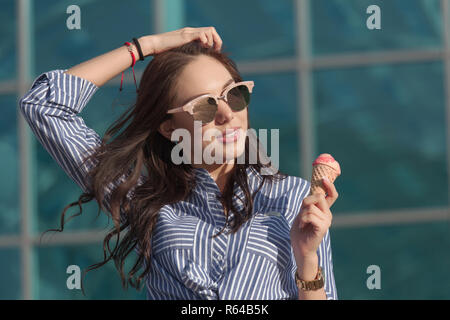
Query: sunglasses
204, 108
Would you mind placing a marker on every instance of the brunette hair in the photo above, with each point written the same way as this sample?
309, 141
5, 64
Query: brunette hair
135, 158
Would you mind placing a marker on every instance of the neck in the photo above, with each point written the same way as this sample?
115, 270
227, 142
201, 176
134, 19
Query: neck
219, 172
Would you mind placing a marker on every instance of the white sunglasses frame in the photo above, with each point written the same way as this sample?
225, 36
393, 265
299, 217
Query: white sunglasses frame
189, 107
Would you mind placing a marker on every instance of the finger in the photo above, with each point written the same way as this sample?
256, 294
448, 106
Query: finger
320, 220
313, 218
309, 200
217, 40
304, 216
210, 38
203, 38
313, 199
320, 208
331, 191
314, 210
323, 205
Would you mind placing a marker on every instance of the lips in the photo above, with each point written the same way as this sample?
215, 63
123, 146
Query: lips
229, 135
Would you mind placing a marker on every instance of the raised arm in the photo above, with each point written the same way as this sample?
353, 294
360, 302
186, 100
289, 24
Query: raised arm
103, 68
52, 105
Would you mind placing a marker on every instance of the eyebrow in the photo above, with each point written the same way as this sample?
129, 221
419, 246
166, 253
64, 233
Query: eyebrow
230, 81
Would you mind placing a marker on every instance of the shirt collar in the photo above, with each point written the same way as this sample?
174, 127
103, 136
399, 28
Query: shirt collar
206, 181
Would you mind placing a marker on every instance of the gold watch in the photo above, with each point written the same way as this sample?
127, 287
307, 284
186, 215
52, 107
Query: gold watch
315, 284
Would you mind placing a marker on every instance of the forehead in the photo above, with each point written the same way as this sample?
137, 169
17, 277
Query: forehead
202, 75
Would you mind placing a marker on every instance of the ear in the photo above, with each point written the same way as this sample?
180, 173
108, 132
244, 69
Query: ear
166, 128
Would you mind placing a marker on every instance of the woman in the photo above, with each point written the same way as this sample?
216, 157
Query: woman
201, 231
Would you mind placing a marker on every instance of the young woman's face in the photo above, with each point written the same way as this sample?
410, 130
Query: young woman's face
205, 75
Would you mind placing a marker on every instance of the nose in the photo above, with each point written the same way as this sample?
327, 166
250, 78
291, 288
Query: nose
224, 113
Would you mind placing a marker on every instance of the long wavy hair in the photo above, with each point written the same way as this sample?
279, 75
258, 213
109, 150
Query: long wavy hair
134, 177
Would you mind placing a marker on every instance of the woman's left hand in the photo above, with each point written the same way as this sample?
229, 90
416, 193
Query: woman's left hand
312, 223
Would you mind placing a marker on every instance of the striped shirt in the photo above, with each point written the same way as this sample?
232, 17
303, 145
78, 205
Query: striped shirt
256, 262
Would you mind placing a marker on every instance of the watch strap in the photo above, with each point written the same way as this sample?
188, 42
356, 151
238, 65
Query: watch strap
315, 284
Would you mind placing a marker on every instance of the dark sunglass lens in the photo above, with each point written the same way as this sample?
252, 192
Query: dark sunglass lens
238, 98
205, 110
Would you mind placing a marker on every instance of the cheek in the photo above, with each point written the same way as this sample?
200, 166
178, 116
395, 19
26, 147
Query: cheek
184, 120
242, 118
208, 132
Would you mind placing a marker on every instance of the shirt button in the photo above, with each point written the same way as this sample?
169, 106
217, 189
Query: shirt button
218, 229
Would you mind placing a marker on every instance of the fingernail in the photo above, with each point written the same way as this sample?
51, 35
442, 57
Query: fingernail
325, 179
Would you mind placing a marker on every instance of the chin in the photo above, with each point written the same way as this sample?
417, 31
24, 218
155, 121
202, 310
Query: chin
235, 152
224, 153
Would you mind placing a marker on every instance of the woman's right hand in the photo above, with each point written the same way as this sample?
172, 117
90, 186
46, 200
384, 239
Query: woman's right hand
157, 43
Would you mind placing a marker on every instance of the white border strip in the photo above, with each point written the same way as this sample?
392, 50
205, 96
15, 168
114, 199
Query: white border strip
345, 220
265, 66
445, 5
340, 60
56, 238
395, 217
373, 58
159, 16
8, 87
305, 114
25, 154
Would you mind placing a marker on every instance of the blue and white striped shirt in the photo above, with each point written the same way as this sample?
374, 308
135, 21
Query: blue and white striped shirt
257, 262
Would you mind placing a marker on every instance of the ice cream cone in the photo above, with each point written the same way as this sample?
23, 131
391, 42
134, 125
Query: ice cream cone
323, 166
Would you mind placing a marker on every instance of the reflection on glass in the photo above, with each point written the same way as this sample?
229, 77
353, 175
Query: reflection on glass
10, 288
274, 106
9, 170
8, 27
102, 283
403, 255
251, 29
105, 25
339, 26
386, 126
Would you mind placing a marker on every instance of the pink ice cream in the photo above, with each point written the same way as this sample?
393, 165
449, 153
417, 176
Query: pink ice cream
327, 159
323, 166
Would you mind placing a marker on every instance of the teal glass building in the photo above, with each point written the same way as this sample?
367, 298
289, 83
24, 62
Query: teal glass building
377, 100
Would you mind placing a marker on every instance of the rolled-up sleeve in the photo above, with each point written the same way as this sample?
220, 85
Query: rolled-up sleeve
51, 109
326, 262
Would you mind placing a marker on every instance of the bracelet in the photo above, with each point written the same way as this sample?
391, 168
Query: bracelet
130, 50
315, 284
138, 46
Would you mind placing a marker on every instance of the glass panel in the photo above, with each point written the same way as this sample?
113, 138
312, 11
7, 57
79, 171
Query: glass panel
10, 287
55, 191
409, 269
102, 283
9, 188
8, 26
103, 25
386, 126
274, 106
339, 26
251, 29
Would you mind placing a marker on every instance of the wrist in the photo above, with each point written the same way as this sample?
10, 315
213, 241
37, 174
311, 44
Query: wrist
307, 267
147, 45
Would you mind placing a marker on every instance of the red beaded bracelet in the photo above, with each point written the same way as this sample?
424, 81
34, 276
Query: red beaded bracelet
130, 50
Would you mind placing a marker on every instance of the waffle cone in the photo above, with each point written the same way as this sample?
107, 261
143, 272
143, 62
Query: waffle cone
320, 171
